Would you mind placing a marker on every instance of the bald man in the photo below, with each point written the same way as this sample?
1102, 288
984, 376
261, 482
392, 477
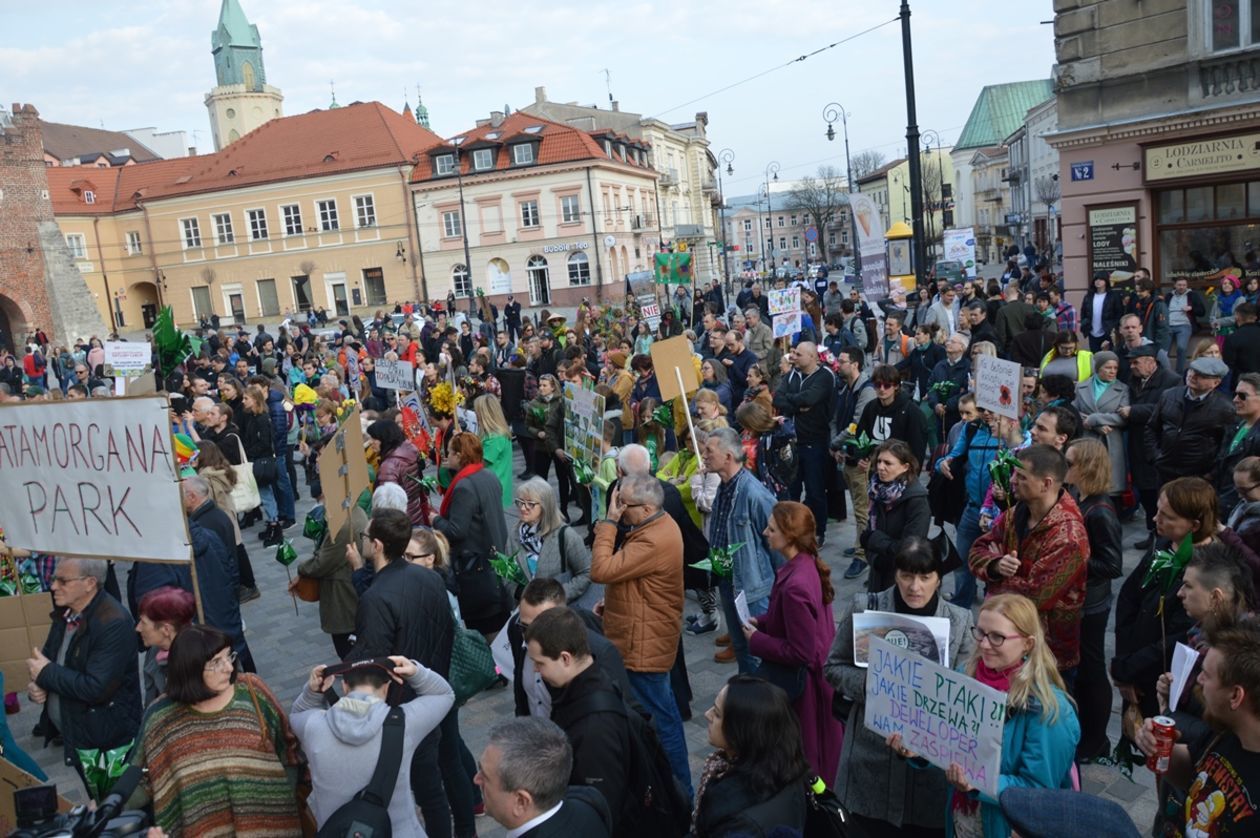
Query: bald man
807, 395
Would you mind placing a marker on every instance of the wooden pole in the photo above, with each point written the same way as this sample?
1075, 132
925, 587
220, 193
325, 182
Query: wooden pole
192, 570
682, 393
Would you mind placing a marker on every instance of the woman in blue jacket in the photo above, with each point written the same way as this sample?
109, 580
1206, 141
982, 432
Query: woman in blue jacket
1041, 730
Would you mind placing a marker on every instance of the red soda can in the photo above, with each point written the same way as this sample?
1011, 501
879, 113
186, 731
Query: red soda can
1164, 730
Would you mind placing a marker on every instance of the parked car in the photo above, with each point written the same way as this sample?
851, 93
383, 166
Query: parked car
950, 270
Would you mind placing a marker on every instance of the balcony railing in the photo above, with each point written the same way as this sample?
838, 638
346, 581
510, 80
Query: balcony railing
1230, 75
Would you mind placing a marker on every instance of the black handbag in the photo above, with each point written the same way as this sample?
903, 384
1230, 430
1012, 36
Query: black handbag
266, 470
825, 815
481, 594
790, 679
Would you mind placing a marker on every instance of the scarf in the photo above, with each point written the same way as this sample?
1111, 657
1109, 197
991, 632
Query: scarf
531, 543
900, 606
998, 679
472, 468
883, 496
716, 767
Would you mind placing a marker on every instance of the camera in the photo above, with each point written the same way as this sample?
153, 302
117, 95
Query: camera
37, 815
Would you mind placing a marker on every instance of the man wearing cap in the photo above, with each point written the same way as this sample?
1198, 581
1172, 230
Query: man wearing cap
1131, 337
1188, 423
1148, 381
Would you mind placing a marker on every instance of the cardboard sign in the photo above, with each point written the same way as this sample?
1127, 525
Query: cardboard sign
24, 621
583, 425
127, 357
942, 715
343, 471
92, 478
784, 300
997, 386
669, 358
785, 325
929, 636
395, 375
13, 778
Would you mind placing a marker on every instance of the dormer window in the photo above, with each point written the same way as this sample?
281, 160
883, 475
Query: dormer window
444, 164
89, 197
483, 159
522, 154
621, 150
608, 148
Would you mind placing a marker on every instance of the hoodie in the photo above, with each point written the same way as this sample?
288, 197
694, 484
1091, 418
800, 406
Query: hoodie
343, 742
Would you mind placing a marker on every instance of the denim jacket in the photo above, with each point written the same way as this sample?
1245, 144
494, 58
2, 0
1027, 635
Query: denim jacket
754, 563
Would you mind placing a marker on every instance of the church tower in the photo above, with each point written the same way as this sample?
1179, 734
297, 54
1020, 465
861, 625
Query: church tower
241, 100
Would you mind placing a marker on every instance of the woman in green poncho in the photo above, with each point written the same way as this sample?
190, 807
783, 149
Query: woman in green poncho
496, 441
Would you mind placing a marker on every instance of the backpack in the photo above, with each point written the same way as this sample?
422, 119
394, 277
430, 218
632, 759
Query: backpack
366, 815
654, 803
780, 462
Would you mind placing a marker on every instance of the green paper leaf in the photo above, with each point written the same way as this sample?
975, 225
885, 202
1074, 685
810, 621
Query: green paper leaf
507, 569
285, 554
860, 446
1167, 565
720, 561
583, 472
663, 416
1001, 469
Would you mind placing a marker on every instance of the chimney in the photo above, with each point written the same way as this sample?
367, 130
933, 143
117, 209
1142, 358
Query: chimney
616, 106
540, 95
496, 118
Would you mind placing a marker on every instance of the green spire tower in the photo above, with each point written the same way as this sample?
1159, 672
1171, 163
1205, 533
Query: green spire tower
241, 100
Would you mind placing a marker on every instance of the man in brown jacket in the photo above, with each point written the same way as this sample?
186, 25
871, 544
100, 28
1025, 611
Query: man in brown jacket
643, 602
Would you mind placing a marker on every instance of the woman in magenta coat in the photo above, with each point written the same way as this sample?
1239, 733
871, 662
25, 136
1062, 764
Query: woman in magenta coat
798, 628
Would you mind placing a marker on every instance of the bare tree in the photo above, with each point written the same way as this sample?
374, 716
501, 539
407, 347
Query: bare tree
865, 162
931, 175
1047, 189
820, 198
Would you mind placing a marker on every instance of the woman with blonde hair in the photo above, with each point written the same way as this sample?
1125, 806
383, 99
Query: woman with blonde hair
545, 546
496, 441
709, 408
758, 389
1089, 475
1040, 733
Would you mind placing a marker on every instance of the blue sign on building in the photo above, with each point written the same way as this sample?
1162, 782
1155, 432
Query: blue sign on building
1083, 171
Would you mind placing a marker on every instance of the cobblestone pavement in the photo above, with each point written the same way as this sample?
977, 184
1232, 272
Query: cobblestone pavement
286, 645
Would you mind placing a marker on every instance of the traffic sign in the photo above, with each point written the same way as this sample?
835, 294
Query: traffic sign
811, 234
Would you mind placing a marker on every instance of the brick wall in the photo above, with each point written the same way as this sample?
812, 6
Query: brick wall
39, 283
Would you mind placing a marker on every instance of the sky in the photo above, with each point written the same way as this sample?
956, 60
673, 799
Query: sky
88, 63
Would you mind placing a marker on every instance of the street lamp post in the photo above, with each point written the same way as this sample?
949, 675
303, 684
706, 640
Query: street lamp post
463, 218
761, 228
725, 156
772, 169
829, 114
912, 143
931, 137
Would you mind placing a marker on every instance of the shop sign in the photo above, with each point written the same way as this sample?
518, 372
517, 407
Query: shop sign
1203, 157
1113, 238
564, 247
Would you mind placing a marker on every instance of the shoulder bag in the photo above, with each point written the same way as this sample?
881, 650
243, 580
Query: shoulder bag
245, 497
472, 663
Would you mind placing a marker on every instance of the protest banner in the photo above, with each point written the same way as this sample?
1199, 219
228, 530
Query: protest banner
128, 358
785, 325
943, 716
343, 472
670, 359
94, 477
929, 636
784, 300
395, 375
583, 425
997, 386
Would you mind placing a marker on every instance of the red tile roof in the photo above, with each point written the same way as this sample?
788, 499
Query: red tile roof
558, 143
352, 138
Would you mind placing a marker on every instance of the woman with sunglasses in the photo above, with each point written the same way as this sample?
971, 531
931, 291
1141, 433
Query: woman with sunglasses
545, 546
1240, 441
212, 715
1040, 733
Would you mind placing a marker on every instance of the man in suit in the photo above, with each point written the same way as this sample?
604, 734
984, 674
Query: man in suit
524, 773
943, 313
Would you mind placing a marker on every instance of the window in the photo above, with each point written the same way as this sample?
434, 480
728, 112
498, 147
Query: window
192, 232
77, 244
1232, 24
947, 218
328, 215
89, 197
579, 269
222, 228
302, 292
569, 209
364, 211
292, 214
794, 219
768, 223
796, 242
782, 242
781, 221
747, 225
201, 301
450, 224
374, 286
133, 243
461, 281
268, 301
444, 164
483, 158
522, 154
608, 148
529, 213
831, 239
257, 224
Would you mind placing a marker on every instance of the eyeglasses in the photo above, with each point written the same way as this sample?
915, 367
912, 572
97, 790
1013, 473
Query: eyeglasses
65, 580
418, 557
526, 504
1242, 490
222, 664
883, 385
995, 640
1243, 396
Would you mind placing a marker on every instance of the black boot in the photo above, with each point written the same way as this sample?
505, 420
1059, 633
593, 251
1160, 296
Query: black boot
273, 535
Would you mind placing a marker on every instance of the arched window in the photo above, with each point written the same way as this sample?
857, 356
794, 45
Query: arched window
538, 274
461, 281
579, 269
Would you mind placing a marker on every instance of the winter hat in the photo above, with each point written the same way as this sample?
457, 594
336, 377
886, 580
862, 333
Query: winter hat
1103, 357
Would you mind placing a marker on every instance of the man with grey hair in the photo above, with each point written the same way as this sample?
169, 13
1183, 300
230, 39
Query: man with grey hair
740, 513
758, 339
524, 773
86, 675
643, 601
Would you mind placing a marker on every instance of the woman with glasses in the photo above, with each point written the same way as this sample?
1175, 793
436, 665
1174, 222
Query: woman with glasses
1089, 477
913, 802
1040, 733
1245, 517
1068, 359
219, 755
1240, 441
545, 547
